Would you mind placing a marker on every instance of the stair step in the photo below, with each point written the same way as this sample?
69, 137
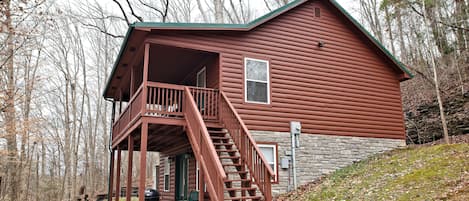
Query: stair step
219, 138
237, 172
244, 198
229, 157
222, 144
234, 180
222, 132
241, 189
213, 125
225, 150
237, 165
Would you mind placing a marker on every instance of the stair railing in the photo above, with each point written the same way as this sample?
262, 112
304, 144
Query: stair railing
204, 150
258, 167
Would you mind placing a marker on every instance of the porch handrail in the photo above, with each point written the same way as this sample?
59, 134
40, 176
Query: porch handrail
165, 85
258, 167
203, 148
132, 99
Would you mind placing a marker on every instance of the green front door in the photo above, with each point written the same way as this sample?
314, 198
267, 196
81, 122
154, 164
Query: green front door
182, 163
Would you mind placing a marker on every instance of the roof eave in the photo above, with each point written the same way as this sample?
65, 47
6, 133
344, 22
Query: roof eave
116, 62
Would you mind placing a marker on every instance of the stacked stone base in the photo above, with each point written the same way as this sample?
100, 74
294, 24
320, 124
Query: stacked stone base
321, 154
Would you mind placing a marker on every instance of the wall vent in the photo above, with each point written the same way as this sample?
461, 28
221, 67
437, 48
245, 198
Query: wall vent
317, 12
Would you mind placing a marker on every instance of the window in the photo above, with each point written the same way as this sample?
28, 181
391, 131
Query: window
197, 176
256, 86
270, 154
167, 170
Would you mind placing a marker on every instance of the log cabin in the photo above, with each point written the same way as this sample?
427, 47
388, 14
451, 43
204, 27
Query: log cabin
217, 101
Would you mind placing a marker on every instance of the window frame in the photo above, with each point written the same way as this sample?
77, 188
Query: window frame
167, 166
275, 151
259, 81
197, 175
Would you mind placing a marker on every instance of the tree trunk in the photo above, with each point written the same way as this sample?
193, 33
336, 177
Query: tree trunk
389, 27
10, 112
218, 6
436, 81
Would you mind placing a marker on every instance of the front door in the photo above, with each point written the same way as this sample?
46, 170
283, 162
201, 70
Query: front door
201, 78
182, 162
202, 83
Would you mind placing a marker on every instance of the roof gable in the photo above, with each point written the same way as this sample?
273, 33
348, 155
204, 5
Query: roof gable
149, 26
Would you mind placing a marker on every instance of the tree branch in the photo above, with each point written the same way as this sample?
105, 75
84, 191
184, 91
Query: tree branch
123, 12
437, 21
95, 27
133, 13
163, 14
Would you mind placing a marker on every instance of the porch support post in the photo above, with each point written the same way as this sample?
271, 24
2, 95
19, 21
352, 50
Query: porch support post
118, 174
143, 161
146, 61
120, 101
129, 167
201, 184
111, 176
132, 80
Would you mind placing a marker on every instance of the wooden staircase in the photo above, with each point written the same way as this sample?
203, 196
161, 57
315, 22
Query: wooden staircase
232, 166
238, 183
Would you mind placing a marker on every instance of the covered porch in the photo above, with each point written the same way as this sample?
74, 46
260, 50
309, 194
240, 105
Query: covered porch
154, 89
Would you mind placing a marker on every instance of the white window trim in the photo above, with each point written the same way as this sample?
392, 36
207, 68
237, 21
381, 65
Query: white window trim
274, 147
197, 176
168, 163
246, 79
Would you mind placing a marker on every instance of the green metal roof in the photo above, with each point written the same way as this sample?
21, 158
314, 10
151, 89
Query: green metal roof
244, 27
241, 27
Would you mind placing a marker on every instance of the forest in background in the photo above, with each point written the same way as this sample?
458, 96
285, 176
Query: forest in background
55, 57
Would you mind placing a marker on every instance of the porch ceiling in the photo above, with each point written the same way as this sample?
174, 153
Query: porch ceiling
162, 138
172, 64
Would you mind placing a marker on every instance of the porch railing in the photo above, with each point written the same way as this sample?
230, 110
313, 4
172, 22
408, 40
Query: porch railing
249, 152
207, 102
203, 148
130, 113
166, 100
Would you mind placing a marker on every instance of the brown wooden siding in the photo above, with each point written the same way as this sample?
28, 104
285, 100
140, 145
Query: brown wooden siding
345, 88
170, 195
167, 195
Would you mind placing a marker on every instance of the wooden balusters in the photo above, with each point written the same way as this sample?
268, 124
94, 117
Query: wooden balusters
249, 152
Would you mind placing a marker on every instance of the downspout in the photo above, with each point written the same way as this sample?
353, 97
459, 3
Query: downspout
111, 161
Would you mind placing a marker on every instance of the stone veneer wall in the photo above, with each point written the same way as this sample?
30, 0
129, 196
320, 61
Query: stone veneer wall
321, 154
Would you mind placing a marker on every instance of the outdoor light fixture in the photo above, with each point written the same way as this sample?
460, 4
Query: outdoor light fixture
321, 44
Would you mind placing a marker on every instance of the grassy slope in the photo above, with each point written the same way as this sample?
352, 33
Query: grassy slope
424, 173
